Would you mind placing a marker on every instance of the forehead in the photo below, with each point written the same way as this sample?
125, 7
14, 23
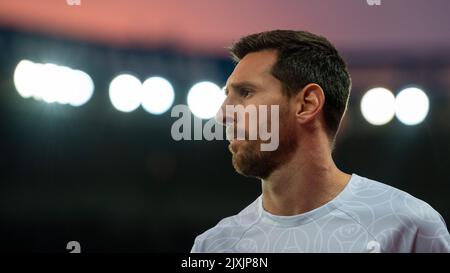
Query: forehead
255, 66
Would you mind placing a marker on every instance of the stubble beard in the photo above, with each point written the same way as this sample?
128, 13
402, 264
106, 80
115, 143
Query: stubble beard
249, 160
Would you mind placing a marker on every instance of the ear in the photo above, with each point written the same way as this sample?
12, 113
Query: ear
309, 102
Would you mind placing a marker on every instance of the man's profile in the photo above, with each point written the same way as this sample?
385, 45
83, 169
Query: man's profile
307, 204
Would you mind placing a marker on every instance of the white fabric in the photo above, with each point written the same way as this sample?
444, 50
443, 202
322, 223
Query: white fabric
367, 216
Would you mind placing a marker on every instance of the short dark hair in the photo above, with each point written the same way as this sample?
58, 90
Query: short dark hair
304, 58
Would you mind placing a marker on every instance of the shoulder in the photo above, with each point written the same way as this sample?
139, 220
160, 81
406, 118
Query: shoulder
381, 199
394, 215
227, 231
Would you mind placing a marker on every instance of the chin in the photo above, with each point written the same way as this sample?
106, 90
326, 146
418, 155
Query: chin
251, 165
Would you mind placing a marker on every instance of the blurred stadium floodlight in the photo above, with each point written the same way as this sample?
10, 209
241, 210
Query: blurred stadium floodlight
157, 95
53, 83
378, 106
204, 99
411, 106
125, 92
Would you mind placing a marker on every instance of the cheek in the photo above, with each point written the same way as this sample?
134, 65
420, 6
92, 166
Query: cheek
263, 114
247, 121
276, 117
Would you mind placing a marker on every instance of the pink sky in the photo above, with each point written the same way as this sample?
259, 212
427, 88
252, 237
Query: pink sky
419, 25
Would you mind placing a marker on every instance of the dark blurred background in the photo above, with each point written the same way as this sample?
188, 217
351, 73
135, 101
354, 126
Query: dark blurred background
117, 181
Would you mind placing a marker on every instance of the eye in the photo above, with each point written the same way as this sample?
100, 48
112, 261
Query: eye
245, 92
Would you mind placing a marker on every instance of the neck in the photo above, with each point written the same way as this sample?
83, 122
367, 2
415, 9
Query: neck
310, 179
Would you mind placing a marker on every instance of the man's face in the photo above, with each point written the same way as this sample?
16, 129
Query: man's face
252, 84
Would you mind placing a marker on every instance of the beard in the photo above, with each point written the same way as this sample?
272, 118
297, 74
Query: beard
249, 160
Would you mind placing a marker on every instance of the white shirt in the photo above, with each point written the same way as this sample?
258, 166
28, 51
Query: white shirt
367, 216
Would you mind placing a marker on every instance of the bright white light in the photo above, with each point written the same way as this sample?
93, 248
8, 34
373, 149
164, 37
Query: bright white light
204, 99
83, 90
157, 95
22, 75
378, 106
63, 92
53, 83
39, 81
411, 106
125, 92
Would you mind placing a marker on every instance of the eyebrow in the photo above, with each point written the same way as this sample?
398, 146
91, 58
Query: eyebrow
240, 86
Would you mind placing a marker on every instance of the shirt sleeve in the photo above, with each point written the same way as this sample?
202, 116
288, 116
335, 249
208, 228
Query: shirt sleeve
432, 235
